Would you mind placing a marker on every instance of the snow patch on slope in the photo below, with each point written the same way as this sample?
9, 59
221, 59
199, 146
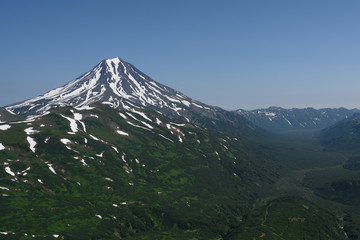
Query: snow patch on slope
32, 143
73, 124
8, 171
51, 168
122, 133
30, 131
65, 141
5, 127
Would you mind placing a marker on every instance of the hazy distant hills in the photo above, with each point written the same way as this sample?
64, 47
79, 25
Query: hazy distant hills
278, 119
344, 135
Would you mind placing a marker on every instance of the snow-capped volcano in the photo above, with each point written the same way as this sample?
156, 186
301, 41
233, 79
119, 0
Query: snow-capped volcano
113, 82
119, 84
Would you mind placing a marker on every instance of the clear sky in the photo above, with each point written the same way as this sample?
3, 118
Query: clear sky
233, 54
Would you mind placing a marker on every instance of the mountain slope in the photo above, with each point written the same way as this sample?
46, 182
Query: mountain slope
103, 173
119, 84
7, 116
289, 218
278, 119
343, 136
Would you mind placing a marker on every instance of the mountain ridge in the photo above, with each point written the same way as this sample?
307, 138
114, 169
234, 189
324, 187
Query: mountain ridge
277, 119
343, 135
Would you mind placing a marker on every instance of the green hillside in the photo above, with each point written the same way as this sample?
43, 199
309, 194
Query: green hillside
104, 174
119, 176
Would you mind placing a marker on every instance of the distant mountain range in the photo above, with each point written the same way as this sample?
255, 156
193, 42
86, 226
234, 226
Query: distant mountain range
278, 119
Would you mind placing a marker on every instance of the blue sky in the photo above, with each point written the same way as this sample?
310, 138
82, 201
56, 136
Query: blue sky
232, 54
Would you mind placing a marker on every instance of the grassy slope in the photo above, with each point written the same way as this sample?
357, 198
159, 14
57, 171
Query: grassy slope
289, 218
185, 190
6, 116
